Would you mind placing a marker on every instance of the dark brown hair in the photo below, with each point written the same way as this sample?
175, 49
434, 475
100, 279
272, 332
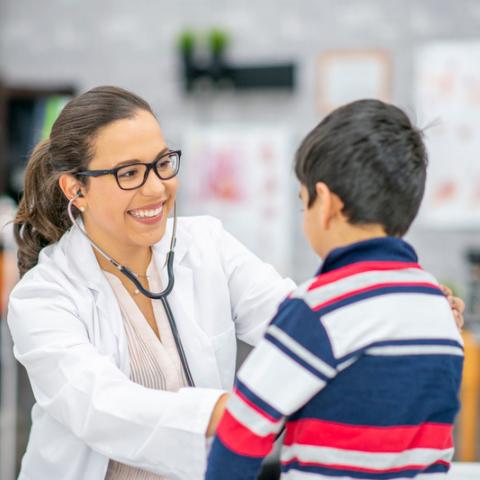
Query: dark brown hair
371, 155
42, 214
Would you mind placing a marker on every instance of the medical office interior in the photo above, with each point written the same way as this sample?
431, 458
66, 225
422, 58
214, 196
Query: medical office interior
235, 86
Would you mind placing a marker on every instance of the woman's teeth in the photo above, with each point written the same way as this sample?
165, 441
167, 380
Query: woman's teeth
146, 213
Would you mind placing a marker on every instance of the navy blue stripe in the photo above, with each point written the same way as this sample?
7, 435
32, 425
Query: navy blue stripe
223, 463
297, 320
242, 388
378, 292
295, 357
413, 341
334, 472
384, 249
390, 391
419, 341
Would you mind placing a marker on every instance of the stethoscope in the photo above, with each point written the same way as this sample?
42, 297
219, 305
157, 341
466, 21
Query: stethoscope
162, 296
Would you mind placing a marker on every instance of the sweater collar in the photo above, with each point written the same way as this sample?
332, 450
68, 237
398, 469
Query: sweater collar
381, 249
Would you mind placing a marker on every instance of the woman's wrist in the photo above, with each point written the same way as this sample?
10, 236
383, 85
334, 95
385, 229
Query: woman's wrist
216, 415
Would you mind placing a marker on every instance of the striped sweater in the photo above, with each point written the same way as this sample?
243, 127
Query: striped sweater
362, 365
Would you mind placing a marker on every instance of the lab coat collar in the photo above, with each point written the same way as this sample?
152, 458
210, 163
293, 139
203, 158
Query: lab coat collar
83, 263
74, 254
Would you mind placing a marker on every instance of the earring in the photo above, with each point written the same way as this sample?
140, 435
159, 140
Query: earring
82, 209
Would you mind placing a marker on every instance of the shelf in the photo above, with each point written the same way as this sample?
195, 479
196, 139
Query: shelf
19, 127
249, 77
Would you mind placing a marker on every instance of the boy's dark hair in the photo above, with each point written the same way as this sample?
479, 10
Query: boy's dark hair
371, 156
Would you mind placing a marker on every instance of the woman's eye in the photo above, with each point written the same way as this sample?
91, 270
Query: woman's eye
164, 164
128, 173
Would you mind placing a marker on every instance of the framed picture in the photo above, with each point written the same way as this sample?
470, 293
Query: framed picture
447, 101
348, 75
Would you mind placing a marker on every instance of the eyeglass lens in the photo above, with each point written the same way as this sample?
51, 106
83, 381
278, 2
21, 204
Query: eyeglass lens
133, 176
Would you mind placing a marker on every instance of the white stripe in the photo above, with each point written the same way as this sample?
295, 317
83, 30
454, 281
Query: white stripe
354, 458
359, 281
250, 418
342, 366
298, 475
389, 317
277, 379
301, 351
415, 350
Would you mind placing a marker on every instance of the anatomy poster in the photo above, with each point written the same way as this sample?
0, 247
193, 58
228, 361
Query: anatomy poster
448, 104
243, 176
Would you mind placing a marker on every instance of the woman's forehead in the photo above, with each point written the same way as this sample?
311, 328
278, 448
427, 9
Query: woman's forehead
137, 138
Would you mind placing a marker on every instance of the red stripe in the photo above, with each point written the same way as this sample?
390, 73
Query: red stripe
359, 267
242, 441
374, 287
363, 469
253, 406
320, 433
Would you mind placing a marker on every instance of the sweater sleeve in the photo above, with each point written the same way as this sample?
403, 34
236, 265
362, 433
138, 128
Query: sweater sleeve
292, 363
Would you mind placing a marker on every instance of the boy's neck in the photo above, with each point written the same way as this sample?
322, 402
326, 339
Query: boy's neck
349, 234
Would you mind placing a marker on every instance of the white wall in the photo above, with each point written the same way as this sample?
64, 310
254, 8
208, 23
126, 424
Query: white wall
132, 44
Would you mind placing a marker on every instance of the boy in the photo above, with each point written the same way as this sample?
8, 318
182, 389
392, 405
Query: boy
362, 364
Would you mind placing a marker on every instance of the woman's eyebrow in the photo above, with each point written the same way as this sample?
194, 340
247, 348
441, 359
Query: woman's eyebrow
135, 160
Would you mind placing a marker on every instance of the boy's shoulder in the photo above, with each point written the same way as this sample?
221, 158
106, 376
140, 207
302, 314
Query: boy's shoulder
363, 280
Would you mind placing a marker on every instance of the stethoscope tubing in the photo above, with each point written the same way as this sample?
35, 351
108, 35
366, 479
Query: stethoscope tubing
162, 296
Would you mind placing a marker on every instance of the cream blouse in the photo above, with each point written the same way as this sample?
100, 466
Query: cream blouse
154, 363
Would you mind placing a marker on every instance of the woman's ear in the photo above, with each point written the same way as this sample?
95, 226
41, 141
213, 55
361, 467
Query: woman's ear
70, 187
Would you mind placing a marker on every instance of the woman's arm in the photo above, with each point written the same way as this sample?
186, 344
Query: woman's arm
163, 432
217, 414
256, 288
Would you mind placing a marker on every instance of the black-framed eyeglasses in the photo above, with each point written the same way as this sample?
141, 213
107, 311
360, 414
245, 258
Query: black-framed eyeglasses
135, 174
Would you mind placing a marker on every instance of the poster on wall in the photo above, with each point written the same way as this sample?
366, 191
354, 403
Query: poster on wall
348, 75
447, 97
243, 176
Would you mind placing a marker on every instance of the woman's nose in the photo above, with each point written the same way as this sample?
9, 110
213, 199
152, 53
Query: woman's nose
153, 184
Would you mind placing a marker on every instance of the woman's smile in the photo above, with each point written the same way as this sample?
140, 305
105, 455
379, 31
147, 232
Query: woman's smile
149, 214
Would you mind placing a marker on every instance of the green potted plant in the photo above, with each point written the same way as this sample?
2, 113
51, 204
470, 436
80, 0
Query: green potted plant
217, 42
186, 45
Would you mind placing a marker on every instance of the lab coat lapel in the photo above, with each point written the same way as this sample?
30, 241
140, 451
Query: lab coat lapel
108, 318
197, 345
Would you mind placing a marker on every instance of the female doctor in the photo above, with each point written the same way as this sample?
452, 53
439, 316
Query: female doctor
112, 397
113, 388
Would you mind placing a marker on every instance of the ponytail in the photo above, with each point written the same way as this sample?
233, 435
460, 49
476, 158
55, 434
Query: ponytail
42, 214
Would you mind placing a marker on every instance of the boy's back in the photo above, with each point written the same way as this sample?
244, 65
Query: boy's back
364, 361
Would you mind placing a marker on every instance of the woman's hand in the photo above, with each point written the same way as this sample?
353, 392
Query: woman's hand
217, 414
456, 304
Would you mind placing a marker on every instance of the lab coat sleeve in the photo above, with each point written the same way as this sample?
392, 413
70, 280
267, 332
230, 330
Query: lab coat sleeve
256, 288
159, 431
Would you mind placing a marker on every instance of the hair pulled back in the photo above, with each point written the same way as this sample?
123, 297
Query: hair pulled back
42, 216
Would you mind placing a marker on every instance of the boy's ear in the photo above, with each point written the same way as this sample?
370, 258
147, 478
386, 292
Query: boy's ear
331, 206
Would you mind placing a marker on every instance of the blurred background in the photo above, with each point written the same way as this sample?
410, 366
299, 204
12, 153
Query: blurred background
236, 86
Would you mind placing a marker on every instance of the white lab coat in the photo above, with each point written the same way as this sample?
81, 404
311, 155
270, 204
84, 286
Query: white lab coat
68, 333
